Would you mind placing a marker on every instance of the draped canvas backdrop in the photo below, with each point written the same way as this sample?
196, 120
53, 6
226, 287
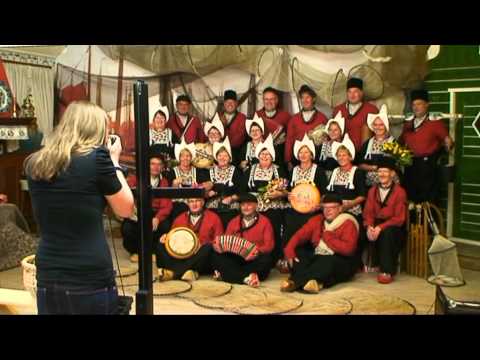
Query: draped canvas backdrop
205, 71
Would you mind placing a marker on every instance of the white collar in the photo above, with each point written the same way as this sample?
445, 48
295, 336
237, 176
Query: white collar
271, 113
352, 108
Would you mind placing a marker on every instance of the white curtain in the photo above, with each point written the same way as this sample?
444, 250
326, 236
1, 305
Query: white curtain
40, 81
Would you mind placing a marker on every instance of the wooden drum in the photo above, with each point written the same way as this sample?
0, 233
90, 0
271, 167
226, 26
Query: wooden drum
182, 243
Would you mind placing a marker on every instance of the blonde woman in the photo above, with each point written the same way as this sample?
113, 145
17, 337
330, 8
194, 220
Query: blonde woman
71, 180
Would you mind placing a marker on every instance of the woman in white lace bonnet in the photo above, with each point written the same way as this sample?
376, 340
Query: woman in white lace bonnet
162, 139
371, 153
335, 128
225, 181
255, 129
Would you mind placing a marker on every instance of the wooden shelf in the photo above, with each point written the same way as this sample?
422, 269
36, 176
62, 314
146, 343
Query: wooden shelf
16, 121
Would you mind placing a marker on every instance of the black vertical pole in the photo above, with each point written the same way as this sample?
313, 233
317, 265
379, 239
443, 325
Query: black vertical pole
144, 296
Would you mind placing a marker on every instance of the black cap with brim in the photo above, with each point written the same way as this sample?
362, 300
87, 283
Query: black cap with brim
229, 95
355, 83
156, 151
419, 95
387, 163
305, 89
185, 98
247, 197
332, 198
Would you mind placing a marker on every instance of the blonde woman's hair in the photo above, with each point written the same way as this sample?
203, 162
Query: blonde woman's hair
83, 128
344, 148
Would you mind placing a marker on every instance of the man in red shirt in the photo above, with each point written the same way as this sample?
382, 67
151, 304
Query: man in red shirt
185, 125
207, 225
162, 208
384, 218
425, 136
270, 108
233, 120
355, 111
329, 258
270, 111
307, 119
255, 228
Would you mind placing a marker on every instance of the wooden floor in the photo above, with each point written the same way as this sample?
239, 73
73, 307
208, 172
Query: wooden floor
416, 291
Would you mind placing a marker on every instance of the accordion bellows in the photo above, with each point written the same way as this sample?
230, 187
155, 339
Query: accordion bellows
236, 245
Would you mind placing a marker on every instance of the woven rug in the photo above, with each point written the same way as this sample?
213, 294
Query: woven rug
377, 304
126, 271
243, 299
206, 289
323, 305
168, 288
129, 277
129, 280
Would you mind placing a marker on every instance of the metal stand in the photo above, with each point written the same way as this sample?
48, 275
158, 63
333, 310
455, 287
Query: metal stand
143, 194
144, 296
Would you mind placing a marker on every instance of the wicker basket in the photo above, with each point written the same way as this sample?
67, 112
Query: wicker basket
30, 275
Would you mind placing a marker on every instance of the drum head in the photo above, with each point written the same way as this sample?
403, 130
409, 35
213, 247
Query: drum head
305, 197
182, 243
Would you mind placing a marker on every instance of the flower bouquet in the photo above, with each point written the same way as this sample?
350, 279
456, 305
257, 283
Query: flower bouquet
271, 187
402, 154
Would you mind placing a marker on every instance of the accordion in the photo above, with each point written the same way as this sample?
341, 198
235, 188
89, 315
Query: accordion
236, 245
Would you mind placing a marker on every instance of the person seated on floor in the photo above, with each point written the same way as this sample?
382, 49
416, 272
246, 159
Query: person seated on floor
207, 225
331, 259
384, 218
240, 266
161, 207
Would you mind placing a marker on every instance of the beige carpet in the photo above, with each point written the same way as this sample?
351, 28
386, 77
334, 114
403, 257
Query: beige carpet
403, 291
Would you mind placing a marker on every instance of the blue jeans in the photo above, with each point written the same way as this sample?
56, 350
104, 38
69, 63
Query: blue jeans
57, 300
